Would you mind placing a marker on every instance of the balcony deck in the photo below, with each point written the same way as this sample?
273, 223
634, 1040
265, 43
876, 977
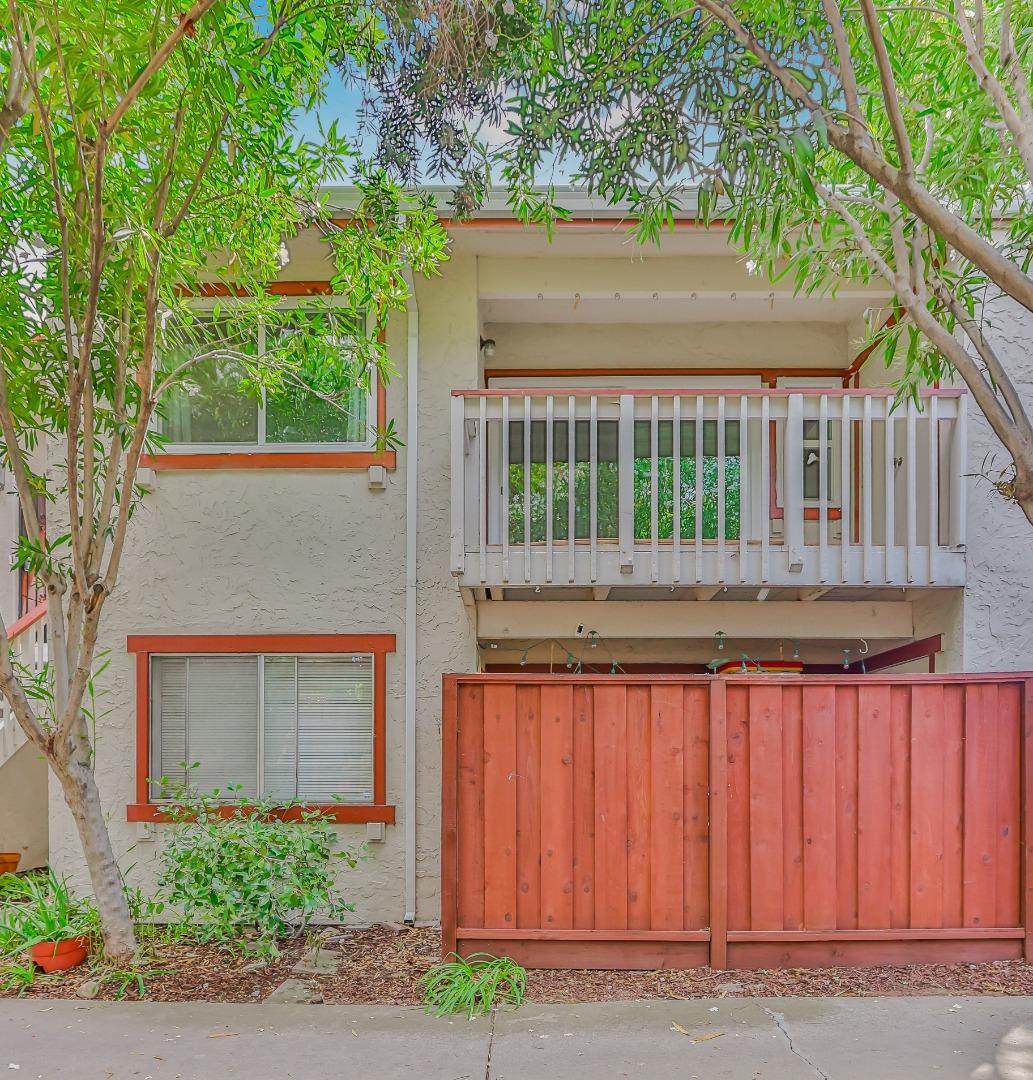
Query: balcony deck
817, 489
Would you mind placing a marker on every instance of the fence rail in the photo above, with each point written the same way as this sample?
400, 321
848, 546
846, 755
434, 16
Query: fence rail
740, 821
764, 487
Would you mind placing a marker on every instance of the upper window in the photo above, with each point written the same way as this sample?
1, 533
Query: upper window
281, 727
216, 406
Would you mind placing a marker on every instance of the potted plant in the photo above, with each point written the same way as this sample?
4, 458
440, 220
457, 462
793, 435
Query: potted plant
42, 917
9, 861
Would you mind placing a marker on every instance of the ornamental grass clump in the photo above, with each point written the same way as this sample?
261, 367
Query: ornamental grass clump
474, 985
237, 868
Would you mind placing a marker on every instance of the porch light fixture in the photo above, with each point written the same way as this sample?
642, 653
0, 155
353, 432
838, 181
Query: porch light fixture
488, 347
719, 637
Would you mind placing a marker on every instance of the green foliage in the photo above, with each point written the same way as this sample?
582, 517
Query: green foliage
37, 908
473, 986
607, 499
231, 866
669, 106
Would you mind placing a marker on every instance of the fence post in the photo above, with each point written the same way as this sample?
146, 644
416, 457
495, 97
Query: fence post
1026, 788
449, 812
718, 788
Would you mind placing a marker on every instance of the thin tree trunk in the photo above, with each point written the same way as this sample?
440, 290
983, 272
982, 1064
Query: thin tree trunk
83, 798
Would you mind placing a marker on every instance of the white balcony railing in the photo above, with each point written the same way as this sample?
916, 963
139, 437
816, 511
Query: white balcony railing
28, 639
708, 487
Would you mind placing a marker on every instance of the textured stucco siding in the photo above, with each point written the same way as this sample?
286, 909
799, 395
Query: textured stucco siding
998, 606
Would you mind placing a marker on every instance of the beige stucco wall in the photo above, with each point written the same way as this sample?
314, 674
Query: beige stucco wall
747, 344
23, 807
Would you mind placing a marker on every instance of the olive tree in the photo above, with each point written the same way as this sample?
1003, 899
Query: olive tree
149, 153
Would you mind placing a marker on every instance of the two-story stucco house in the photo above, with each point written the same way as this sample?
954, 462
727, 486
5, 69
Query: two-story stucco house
617, 462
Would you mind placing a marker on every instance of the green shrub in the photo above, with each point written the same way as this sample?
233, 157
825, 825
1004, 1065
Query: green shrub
473, 986
230, 866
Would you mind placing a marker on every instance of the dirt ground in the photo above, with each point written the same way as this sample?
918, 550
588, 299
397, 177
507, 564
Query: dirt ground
384, 964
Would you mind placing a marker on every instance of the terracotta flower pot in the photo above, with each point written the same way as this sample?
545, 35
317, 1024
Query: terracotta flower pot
9, 861
60, 955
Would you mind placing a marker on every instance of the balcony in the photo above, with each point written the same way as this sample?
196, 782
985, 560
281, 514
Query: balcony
819, 489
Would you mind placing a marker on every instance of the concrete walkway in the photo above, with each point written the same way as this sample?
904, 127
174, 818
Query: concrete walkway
738, 1039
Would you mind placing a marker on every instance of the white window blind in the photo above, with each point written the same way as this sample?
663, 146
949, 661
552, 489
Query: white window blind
284, 727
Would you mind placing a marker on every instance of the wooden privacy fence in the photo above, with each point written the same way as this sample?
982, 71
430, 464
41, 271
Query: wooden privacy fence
740, 821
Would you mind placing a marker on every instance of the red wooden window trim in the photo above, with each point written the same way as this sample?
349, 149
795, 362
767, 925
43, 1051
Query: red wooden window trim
146, 645
237, 460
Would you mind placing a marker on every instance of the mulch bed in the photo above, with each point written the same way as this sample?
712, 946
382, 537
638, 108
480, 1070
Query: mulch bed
383, 965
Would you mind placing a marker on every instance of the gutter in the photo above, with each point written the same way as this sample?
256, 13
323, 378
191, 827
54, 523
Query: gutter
412, 376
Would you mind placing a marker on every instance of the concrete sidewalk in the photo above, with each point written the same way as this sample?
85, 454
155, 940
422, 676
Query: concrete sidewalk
738, 1039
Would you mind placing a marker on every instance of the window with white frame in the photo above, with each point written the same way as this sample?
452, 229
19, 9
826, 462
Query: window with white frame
283, 727
213, 406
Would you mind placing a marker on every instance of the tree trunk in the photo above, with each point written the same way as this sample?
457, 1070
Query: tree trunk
83, 799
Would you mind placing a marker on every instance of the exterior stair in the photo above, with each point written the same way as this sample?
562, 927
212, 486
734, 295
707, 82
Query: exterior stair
28, 638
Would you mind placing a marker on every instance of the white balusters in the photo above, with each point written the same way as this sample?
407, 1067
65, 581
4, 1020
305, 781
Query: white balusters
889, 516
793, 508
571, 493
482, 484
745, 493
504, 466
823, 487
527, 487
959, 467
911, 493
626, 483
720, 488
845, 484
676, 491
889, 490
698, 504
765, 489
549, 420
654, 482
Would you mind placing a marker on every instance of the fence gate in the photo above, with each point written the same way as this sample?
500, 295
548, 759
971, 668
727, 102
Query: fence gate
742, 821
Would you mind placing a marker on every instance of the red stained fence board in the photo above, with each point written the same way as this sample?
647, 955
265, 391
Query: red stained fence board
623, 821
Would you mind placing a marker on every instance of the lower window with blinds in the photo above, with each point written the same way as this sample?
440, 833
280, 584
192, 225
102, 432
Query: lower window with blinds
281, 727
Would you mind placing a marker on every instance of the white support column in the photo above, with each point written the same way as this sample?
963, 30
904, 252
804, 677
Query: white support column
721, 522
845, 480
676, 491
793, 509
889, 487
959, 468
765, 488
482, 485
866, 488
504, 469
654, 485
571, 452
626, 483
548, 487
458, 477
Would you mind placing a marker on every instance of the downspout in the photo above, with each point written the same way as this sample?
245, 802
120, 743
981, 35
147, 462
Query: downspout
412, 376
